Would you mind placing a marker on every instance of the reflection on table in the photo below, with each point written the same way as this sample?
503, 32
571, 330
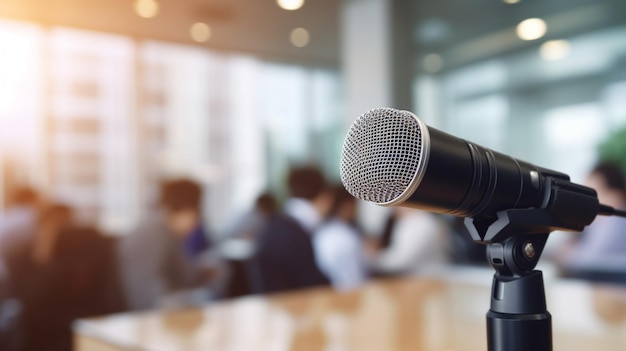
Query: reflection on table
395, 314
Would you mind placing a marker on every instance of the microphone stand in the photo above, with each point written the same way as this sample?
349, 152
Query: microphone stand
518, 319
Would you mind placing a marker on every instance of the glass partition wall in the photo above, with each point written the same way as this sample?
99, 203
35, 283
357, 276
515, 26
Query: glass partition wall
541, 80
97, 120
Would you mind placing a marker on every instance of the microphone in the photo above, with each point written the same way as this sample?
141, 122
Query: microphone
392, 158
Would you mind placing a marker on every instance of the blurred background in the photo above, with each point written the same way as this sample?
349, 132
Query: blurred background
103, 101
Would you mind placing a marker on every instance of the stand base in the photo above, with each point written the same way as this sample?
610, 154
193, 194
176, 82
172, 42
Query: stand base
518, 319
519, 332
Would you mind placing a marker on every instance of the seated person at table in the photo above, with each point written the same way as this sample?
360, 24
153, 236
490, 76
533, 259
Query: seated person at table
418, 243
17, 224
601, 249
66, 272
165, 253
339, 245
285, 258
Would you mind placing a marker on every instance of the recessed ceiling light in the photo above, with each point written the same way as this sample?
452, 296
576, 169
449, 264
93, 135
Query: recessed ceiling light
511, 2
146, 8
299, 37
531, 29
290, 4
200, 32
554, 50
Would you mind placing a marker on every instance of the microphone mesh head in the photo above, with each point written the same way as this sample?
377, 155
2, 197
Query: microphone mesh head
381, 155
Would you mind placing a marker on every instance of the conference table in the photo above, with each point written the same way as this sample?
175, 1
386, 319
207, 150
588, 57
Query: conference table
445, 312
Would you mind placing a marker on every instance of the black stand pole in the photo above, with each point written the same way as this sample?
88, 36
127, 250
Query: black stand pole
518, 319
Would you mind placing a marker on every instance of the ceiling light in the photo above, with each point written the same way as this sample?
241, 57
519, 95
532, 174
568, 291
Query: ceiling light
554, 50
511, 2
290, 4
200, 32
299, 37
146, 8
531, 29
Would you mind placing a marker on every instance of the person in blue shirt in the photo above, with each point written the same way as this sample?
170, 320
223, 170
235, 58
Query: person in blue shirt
600, 252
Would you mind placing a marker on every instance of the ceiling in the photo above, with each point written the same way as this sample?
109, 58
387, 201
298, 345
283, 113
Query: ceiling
462, 32
466, 32
260, 27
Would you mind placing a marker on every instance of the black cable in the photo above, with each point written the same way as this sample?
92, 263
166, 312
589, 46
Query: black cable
610, 211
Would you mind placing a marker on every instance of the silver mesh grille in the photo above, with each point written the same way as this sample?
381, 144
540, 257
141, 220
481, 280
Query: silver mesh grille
381, 155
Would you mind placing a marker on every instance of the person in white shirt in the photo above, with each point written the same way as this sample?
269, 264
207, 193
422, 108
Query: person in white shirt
309, 199
338, 244
419, 242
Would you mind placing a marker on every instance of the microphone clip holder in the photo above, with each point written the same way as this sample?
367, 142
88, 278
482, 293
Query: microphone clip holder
518, 319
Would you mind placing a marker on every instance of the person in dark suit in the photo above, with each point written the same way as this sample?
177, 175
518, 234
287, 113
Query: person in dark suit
285, 258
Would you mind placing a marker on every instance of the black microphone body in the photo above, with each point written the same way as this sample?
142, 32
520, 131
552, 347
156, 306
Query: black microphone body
468, 180
392, 158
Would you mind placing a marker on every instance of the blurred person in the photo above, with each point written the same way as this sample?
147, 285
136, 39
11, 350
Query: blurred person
21, 210
18, 222
240, 245
67, 272
248, 224
285, 258
33, 246
338, 243
168, 250
17, 228
418, 242
309, 200
601, 249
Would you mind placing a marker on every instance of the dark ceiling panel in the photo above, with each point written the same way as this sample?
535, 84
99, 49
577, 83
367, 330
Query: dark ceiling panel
257, 27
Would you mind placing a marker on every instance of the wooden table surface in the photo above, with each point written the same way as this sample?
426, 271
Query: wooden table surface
393, 314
